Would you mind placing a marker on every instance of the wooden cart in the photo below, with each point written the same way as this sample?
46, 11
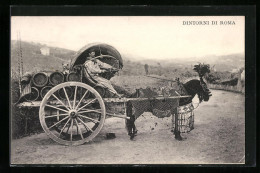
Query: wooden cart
74, 112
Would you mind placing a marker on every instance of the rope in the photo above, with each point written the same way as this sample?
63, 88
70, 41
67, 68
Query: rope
160, 78
197, 105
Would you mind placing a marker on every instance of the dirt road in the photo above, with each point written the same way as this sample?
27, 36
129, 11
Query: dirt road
218, 137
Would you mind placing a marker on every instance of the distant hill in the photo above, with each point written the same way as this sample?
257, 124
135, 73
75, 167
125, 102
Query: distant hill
33, 60
220, 63
225, 62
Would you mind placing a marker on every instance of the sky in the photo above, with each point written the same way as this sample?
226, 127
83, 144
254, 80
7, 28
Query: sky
151, 37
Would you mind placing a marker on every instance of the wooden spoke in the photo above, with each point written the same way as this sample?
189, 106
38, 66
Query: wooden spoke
58, 122
59, 101
68, 129
67, 97
75, 94
56, 108
55, 115
64, 126
71, 125
81, 99
79, 128
90, 110
87, 104
91, 119
85, 125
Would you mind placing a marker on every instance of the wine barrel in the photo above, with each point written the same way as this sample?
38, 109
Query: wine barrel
44, 90
40, 79
73, 76
56, 78
33, 95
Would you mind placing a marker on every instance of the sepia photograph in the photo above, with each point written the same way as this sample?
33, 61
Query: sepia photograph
112, 90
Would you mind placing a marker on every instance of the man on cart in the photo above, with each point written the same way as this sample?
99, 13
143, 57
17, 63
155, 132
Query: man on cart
94, 67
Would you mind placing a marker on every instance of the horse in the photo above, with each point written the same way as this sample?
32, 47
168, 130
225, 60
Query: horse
192, 88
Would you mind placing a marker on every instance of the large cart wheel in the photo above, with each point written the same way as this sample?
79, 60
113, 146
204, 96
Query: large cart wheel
74, 120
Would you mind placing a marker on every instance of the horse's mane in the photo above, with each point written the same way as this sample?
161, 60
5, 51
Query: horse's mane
190, 82
191, 88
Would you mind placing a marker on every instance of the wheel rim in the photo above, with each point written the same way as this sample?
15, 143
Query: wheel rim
74, 120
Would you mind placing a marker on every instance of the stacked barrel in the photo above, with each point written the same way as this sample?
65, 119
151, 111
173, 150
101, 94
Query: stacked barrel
42, 82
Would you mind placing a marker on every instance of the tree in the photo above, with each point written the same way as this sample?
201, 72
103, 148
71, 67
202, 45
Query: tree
146, 69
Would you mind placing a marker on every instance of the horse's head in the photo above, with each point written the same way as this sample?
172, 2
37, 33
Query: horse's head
204, 93
199, 87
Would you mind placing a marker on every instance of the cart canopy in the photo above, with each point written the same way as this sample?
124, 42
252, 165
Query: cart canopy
100, 49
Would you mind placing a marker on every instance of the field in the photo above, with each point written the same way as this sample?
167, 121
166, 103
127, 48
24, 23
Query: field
218, 137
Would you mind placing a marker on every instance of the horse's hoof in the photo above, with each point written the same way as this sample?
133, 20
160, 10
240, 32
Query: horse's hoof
179, 138
132, 137
110, 135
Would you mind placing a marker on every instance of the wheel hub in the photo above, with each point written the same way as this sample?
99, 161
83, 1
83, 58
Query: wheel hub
73, 113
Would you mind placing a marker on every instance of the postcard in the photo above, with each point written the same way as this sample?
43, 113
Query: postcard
127, 90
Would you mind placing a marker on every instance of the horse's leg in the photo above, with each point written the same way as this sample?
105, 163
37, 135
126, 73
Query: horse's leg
134, 130
192, 120
130, 124
176, 131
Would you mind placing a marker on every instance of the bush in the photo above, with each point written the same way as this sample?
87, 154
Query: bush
217, 77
